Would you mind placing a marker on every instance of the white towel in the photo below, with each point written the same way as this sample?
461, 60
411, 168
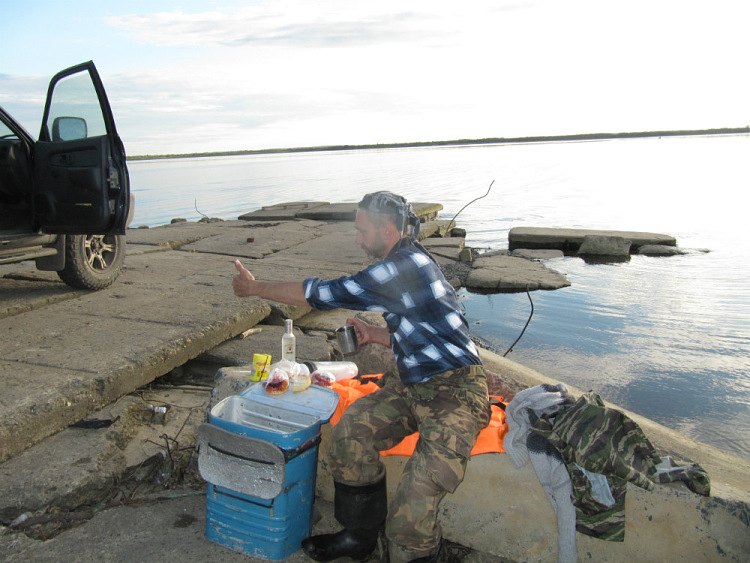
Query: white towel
521, 446
541, 399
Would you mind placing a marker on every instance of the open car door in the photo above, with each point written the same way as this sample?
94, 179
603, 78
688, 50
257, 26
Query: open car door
81, 183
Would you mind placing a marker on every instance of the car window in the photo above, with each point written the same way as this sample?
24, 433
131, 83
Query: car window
75, 112
6, 132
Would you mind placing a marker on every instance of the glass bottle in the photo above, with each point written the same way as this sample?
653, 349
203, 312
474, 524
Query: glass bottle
288, 343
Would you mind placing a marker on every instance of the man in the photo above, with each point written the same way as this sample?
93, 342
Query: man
441, 391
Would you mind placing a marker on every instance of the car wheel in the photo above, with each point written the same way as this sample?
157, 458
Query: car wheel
92, 261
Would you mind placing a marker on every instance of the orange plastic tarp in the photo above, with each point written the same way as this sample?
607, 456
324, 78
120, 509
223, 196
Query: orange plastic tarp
490, 439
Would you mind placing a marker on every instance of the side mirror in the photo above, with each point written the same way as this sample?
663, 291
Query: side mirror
69, 129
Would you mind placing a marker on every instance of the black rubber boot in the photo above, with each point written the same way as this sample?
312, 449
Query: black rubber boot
355, 543
362, 512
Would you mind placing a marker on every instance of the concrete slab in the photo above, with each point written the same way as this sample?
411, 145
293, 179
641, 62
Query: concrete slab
329, 321
660, 250
280, 312
166, 527
446, 252
133, 249
334, 249
176, 235
530, 254
295, 205
228, 381
80, 467
330, 212
157, 530
256, 240
568, 240
51, 382
348, 211
237, 352
85, 353
447, 247
18, 296
281, 211
500, 272
426, 211
444, 242
37, 401
27, 270
294, 266
435, 228
611, 246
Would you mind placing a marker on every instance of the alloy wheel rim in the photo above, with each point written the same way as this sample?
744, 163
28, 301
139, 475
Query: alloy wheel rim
97, 250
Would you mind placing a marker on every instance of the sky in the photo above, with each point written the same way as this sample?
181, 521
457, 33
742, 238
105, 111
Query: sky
201, 76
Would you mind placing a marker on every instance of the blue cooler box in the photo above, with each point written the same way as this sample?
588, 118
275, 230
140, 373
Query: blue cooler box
259, 452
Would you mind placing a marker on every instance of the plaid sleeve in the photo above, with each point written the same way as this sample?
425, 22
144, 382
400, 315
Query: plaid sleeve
368, 290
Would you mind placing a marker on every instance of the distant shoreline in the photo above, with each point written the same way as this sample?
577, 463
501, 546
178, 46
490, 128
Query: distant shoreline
461, 142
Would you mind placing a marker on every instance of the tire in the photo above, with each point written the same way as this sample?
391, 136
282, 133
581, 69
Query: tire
92, 261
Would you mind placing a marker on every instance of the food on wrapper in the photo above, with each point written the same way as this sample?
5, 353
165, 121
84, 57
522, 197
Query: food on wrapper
289, 367
277, 382
323, 378
340, 370
300, 382
297, 377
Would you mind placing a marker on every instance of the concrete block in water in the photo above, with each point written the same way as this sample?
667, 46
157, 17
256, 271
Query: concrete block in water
598, 245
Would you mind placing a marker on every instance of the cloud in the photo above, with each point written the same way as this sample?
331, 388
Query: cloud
291, 73
23, 98
297, 26
189, 114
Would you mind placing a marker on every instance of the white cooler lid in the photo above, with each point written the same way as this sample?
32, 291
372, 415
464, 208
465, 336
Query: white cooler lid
315, 400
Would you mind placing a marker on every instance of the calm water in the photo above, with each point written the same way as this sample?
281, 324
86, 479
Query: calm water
668, 338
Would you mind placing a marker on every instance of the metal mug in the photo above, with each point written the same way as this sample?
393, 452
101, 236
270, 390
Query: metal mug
347, 339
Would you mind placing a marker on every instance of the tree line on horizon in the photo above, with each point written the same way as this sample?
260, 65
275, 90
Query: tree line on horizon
484, 141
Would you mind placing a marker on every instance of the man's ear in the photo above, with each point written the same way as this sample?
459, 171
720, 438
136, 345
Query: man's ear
392, 231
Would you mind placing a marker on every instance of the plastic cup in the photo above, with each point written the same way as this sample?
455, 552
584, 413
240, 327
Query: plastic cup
261, 362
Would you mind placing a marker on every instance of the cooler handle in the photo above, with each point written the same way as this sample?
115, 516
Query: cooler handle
302, 448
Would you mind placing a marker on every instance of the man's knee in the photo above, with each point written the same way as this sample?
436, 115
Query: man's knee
349, 438
350, 454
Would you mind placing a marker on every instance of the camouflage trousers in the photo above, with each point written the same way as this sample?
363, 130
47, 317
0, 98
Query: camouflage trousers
448, 412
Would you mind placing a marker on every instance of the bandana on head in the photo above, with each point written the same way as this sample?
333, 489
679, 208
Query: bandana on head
396, 206
388, 203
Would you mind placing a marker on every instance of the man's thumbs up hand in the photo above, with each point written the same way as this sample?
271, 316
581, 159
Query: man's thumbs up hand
242, 283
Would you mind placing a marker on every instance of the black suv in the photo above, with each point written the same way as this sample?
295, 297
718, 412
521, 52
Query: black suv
65, 199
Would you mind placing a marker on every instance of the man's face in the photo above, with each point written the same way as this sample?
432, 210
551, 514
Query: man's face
371, 235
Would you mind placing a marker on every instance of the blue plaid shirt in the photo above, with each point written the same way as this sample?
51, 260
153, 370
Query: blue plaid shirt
429, 334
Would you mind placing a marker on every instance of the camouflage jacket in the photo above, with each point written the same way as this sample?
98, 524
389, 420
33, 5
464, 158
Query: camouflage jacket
602, 440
